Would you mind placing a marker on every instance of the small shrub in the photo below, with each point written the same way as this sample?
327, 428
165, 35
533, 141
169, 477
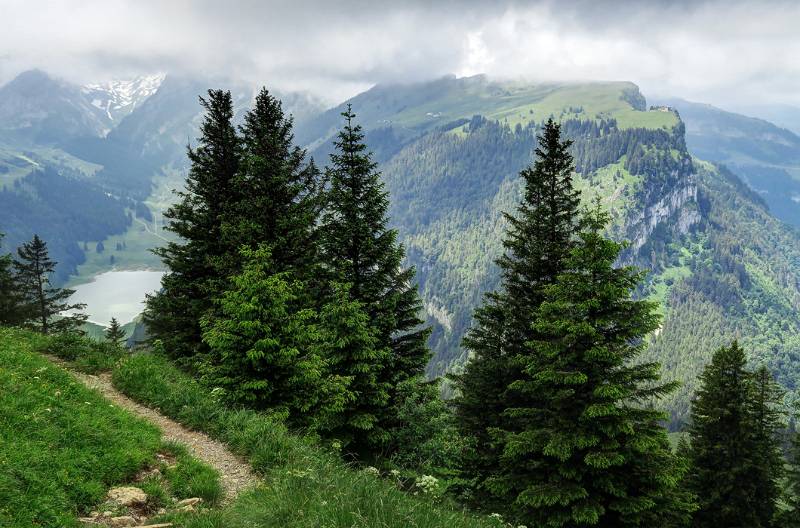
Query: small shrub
86, 355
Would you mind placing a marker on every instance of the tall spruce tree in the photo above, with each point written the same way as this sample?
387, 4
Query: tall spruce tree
360, 250
194, 278
723, 445
767, 424
582, 444
114, 333
43, 306
538, 238
279, 193
10, 309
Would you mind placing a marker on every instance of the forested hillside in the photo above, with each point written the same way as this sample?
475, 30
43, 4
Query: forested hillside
452, 170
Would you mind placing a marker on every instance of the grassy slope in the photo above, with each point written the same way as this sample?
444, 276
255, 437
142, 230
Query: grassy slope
417, 108
17, 162
307, 485
514, 103
61, 445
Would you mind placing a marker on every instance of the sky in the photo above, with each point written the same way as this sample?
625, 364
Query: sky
724, 53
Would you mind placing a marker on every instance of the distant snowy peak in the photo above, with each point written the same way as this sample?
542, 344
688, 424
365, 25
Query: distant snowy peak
119, 98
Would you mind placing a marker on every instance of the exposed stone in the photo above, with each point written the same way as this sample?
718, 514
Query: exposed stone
127, 496
189, 504
122, 521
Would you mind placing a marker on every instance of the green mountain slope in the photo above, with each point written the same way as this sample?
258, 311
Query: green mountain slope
452, 175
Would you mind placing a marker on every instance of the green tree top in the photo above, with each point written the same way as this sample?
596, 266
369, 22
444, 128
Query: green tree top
114, 333
539, 236
359, 249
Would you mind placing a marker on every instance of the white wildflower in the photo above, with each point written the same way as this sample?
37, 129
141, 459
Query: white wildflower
372, 470
427, 483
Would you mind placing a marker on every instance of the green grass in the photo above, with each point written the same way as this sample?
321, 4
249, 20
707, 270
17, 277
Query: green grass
85, 354
191, 478
517, 102
306, 484
61, 445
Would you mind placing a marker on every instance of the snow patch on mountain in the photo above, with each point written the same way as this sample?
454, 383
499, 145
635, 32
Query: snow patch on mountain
118, 98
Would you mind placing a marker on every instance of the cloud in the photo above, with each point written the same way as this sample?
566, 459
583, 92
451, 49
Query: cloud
715, 51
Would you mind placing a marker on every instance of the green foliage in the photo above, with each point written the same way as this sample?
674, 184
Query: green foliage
733, 443
85, 354
61, 445
40, 301
266, 346
360, 250
189, 477
114, 333
427, 436
741, 282
9, 297
766, 414
350, 347
276, 195
582, 445
537, 240
173, 314
307, 486
789, 517
64, 206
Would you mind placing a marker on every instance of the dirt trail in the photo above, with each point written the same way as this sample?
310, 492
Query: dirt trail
235, 473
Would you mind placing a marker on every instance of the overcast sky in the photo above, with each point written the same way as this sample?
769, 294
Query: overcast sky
722, 52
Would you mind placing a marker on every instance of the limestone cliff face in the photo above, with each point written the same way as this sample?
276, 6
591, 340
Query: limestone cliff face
677, 210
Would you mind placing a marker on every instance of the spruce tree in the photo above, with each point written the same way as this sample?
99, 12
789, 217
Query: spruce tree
194, 278
582, 444
114, 333
360, 250
271, 351
767, 424
349, 344
43, 306
723, 447
538, 238
279, 193
9, 296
